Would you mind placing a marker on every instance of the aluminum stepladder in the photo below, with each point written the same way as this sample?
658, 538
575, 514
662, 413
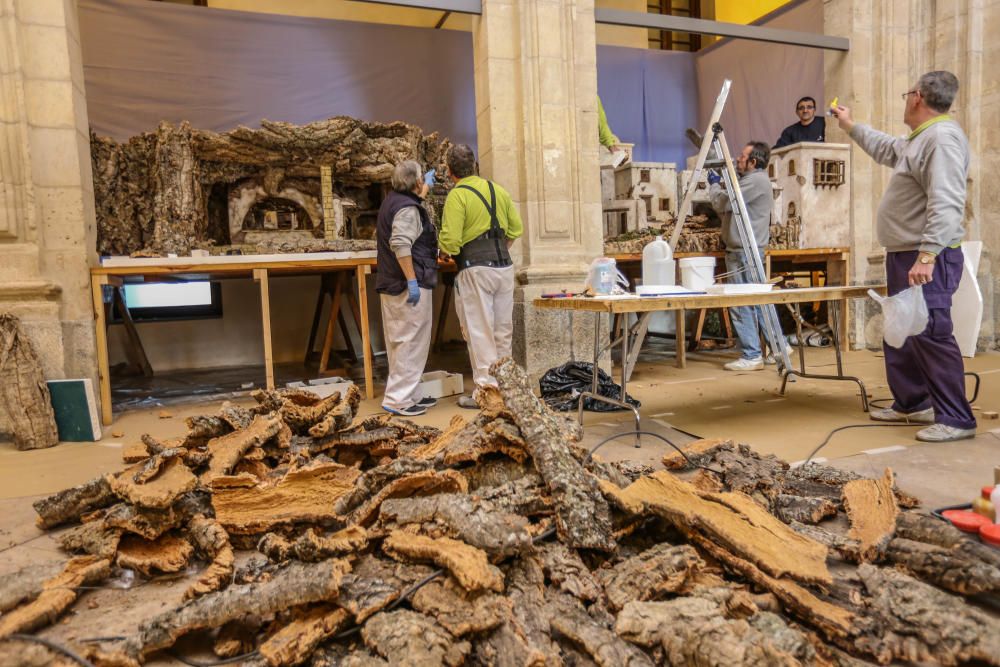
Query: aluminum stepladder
714, 143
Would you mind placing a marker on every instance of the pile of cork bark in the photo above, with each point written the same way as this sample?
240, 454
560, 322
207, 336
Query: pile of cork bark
698, 235
501, 541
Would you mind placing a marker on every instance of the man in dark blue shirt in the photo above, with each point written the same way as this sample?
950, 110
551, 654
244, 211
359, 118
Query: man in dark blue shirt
809, 127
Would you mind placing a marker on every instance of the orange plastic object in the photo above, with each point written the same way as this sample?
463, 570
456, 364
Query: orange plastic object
990, 533
965, 520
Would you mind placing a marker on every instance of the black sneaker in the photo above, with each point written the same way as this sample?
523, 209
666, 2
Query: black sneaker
414, 410
427, 402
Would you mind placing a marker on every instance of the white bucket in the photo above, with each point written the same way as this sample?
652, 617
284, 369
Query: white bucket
697, 273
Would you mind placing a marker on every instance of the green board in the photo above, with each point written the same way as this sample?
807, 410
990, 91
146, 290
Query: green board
76, 410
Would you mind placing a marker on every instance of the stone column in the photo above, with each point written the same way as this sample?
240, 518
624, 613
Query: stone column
47, 222
536, 109
893, 42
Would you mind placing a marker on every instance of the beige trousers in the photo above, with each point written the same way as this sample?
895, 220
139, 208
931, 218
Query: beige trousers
407, 331
484, 299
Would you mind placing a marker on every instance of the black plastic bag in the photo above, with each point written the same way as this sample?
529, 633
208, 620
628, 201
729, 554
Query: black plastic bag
561, 388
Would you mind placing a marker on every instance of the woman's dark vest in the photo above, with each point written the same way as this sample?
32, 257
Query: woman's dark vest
390, 279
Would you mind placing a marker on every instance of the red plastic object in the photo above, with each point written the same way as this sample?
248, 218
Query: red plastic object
990, 533
965, 520
986, 492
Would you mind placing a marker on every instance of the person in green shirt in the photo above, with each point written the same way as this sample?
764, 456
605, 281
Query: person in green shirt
604, 133
478, 225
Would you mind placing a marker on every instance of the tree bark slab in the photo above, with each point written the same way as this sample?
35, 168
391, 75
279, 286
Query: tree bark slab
467, 564
24, 396
458, 611
651, 574
311, 546
174, 480
872, 510
376, 583
57, 594
409, 639
583, 518
70, 504
568, 618
295, 642
429, 482
227, 450
305, 494
212, 541
569, 573
698, 452
167, 553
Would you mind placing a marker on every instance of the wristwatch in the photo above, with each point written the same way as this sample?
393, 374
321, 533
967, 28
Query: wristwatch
926, 258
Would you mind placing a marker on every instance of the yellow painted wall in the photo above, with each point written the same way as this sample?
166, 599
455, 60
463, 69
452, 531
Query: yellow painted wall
745, 11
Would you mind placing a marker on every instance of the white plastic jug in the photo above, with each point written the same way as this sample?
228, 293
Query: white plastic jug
658, 264
697, 273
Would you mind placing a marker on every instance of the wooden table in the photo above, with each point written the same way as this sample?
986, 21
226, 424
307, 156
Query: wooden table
258, 267
644, 307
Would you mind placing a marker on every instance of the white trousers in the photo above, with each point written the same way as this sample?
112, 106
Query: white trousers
484, 299
407, 331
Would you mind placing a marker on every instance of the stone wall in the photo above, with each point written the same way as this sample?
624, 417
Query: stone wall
893, 42
47, 230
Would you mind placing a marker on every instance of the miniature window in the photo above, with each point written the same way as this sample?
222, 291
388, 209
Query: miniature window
649, 203
770, 171
664, 204
644, 175
828, 173
791, 167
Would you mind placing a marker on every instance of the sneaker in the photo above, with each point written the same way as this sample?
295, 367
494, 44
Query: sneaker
467, 401
745, 365
944, 433
414, 410
890, 415
427, 402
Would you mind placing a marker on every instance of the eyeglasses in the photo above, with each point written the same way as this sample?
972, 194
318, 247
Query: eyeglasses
804, 108
908, 93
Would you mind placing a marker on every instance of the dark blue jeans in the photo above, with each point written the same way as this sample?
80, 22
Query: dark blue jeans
928, 370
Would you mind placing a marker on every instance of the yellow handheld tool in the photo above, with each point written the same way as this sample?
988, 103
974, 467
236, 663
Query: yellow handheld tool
832, 107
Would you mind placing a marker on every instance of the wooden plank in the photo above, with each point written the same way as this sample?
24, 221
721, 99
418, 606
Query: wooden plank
135, 351
366, 343
97, 284
260, 275
324, 359
681, 336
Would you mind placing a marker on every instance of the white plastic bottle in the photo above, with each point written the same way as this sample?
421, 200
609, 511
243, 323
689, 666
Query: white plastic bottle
659, 270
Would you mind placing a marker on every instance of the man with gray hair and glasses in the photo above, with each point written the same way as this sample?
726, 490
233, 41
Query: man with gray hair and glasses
920, 225
407, 273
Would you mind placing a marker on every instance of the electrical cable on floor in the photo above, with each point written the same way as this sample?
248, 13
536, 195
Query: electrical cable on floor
623, 434
844, 428
53, 646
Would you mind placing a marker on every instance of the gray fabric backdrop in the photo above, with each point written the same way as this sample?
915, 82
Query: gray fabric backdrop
150, 61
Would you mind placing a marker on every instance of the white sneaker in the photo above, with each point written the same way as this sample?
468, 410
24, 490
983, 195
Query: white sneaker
890, 415
944, 433
742, 364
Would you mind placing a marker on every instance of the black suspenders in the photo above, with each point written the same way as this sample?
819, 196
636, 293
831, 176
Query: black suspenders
495, 232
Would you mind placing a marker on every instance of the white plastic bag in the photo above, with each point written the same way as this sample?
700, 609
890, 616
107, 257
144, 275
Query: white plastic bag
604, 277
903, 315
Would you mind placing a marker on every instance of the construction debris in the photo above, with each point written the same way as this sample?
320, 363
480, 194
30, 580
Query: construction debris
501, 541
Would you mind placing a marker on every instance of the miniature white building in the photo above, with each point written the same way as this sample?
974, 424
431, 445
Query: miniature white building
636, 194
814, 195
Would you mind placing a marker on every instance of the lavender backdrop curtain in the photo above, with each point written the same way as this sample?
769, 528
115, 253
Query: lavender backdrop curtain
767, 78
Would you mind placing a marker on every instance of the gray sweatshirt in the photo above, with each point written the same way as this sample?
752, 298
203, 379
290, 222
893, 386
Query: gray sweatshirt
923, 206
406, 229
759, 198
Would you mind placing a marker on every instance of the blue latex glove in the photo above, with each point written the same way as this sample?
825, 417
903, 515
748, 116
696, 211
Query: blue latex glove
429, 178
413, 290
714, 177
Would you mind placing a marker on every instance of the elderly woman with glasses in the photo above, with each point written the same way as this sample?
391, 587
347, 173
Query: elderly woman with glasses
407, 273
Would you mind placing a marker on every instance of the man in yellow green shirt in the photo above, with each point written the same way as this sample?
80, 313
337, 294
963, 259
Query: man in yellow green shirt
604, 133
478, 225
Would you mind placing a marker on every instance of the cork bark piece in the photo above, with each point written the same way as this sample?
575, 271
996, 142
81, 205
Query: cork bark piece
211, 541
374, 479
698, 452
152, 466
568, 618
174, 480
312, 545
70, 504
26, 583
871, 508
458, 611
297, 584
803, 509
735, 522
649, 575
567, 571
376, 583
458, 515
694, 631
295, 642
583, 518
227, 450
924, 528
300, 418
468, 565
418, 484
302, 495
57, 594
96, 538
24, 396
408, 639
951, 569
167, 553
149, 523
440, 443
